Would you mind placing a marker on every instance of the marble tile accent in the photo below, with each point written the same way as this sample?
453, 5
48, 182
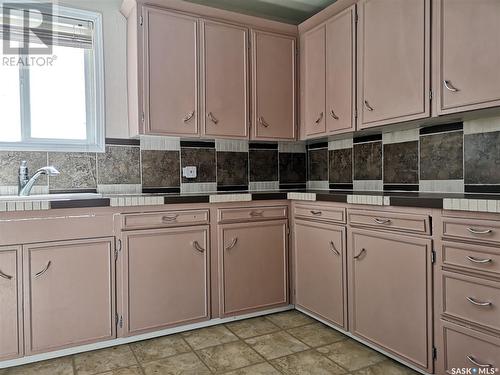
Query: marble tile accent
263, 165
316, 334
231, 145
187, 363
368, 161
204, 160
260, 369
441, 156
483, 125
103, 360
340, 166
160, 169
225, 198
275, 345
318, 165
340, 144
59, 366
307, 363
252, 327
119, 165
290, 319
11, 160
292, 147
154, 349
482, 158
401, 163
78, 170
154, 142
230, 356
210, 336
442, 186
292, 168
232, 168
351, 355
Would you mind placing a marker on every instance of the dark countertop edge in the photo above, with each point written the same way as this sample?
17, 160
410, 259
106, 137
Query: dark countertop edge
186, 199
269, 196
416, 202
332, 197
80, 203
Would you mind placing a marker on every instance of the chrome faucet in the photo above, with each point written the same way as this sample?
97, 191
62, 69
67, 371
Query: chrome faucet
26, 183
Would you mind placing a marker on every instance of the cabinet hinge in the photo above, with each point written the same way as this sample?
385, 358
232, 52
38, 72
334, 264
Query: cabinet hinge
434, 353
120, 324
355, 113
431, 95
356, 17
142, 117
433, 256
118, 248
141, 20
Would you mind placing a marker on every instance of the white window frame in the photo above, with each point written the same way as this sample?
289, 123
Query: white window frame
94, 95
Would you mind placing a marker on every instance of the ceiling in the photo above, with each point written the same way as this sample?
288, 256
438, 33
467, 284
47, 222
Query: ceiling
289, 11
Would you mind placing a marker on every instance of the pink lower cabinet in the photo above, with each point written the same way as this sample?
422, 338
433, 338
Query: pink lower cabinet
10, 303
165, 278
390, 295
253, 261
319, 259
68, 293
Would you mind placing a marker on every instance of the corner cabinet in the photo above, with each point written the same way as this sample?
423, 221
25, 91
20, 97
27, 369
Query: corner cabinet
393, 61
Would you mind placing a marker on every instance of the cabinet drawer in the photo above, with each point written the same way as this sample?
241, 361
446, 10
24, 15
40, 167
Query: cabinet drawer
400, 222
472, 299
251, 213
464, 348
165, 219
471, 229
472, 257
320, 213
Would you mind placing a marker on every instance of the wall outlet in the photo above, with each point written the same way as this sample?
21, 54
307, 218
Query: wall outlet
189, 172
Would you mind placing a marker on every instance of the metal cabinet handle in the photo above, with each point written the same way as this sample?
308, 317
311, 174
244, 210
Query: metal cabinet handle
317, 213
188, 117
478, 303
450, 86
382, 221
477, 260
263, 122
368, 106
475, 231
233, 243
472, 360
360, 254
170, 218
256, 213
197, 247
319, 118
38, 274
333, 248
5, 276
334, 116
212, 118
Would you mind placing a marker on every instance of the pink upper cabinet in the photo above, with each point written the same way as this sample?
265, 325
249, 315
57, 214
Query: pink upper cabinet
273, 86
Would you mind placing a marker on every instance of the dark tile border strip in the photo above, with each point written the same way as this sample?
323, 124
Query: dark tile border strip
268, 196
332, 197
72, 191
482, 189
262, 146
80, 203
122, 142
187, 199
455, 126
233, 188
367, 138
197, 144
315, 146
293, 186
170, 190
341, 186
416, 202
401, 187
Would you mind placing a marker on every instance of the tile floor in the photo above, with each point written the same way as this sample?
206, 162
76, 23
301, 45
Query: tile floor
284, 343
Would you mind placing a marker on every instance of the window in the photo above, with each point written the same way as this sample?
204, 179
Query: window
51, 74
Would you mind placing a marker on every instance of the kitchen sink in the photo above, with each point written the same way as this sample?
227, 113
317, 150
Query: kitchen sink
51, 197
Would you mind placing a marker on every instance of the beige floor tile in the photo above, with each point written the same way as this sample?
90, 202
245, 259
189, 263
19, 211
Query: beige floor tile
183, 364
252, 327
290, 319
260, 369
104, 360
59, 366
307, 363
351, 354
386, 368
317, 334
210, 336
135, 370
151, 350
276, 345
231, 356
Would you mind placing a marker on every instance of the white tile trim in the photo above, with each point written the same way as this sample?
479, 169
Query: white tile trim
368, 185
340, 144
292, 147
442, 186
149, 142
401, 136
318, 185
223, 198
484, 125
199, 187
226, 145
120, 189
263, 186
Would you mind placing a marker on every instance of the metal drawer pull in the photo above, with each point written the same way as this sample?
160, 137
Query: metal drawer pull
257, 213
197, 247
476, 260
360, 254
476, 363
475, 231
38, 274
263, 122
332, 247
317, 213
319, 118
188, 117
233, 244
368, 106
334, 116
382, 221
449, 86
212, 118
5, 276
477, 303
170, 218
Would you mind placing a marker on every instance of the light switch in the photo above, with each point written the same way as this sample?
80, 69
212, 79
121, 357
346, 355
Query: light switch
189, 172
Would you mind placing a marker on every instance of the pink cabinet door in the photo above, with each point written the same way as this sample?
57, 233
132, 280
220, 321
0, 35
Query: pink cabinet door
225, 80
340, 72
273, 83
10, 307
171, 69
165, 278
390, 295
313, 82
319, 258
393, 61
468, 52
68, 294
253, 259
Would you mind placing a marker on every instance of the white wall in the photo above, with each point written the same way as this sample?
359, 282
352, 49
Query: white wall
115, 62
